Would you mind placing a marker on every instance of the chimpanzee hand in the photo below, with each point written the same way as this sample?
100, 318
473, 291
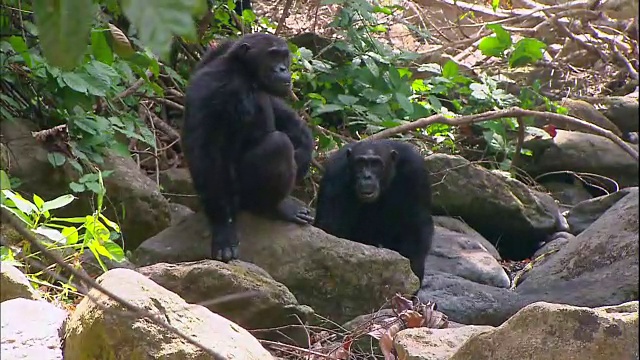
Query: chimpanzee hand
224, 243
290, 211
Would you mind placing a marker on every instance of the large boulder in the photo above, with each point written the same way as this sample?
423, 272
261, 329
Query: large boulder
467, 256
31, 329
582, 152
585, 213
255, 300
336, 277
484, 199
598, 267
468, 302
106, 331
545, 331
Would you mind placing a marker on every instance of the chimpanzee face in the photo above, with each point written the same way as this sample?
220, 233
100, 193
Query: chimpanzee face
269, 61
372, 171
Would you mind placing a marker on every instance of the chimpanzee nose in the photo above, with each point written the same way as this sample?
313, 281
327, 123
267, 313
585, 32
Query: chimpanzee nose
282, 68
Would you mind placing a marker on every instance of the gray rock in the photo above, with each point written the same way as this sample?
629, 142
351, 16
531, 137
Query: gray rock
338, 278
558, 241
598, 267
254, 299
581, 216
465, 256
623, 111
178, 212
484, 199
14, 284
31, 329
106, 332
545, 331
581, 152
433, 344
177, 185
461, 227
467, 302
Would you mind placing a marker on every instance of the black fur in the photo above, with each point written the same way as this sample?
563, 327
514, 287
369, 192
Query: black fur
399, 219
245, 148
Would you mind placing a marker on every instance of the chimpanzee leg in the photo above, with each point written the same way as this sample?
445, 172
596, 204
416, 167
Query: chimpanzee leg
267, 175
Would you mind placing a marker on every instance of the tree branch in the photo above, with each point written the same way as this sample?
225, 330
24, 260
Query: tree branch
512, 112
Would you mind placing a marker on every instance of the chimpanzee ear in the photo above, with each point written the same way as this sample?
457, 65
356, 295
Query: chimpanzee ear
394, 155
244, 48
239, 50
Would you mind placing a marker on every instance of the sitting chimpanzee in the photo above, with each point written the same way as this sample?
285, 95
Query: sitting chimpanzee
378, 192
244, 146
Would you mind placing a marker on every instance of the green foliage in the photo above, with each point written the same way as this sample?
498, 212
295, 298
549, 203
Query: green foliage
525, 51
158, 21
95, 232
64, 28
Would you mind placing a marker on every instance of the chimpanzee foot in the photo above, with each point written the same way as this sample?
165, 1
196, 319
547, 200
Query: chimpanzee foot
224, 245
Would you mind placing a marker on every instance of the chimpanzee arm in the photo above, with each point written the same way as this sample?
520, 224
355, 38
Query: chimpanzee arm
288, 121
335, 208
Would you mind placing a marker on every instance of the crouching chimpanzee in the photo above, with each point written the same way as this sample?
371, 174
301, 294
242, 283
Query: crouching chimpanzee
245, 148
377, 192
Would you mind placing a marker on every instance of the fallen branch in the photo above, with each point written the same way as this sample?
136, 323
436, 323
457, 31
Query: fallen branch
512, 112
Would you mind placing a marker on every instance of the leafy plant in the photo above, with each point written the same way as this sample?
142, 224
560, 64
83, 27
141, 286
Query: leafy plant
525, 51
95, 232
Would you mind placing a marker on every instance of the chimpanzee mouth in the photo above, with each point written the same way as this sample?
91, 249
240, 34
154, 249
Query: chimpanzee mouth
368, 194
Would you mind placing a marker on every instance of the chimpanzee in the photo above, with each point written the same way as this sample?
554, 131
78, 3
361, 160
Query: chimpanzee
244, 146
378, 192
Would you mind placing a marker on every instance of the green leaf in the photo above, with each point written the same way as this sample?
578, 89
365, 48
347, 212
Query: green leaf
93, 186
157, 21
75, 220
450, 69
37, 200
372, 66
56, 159
50, 233
491, 46
58, 202
501, 34
5, 183
20, 215
92, 177
404, 103
75, 81
347, 100
71, 235
110, 223
526, 51
100, 47
495, 45
20, 46
20, 203
327, 109
115, 251
75, 187
64, 27
495, 4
